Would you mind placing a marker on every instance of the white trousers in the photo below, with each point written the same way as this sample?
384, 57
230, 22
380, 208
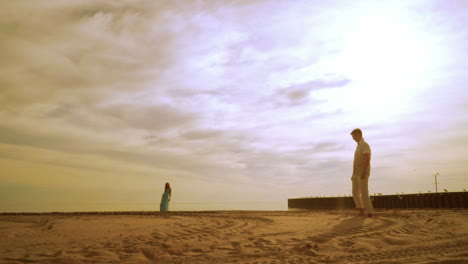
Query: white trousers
361, 193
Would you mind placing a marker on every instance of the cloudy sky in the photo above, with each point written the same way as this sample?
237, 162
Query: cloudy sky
232, 102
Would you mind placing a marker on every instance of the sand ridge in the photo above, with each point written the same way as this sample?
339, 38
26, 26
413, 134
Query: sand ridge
393, 236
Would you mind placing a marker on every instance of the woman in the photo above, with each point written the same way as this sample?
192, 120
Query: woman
166, 198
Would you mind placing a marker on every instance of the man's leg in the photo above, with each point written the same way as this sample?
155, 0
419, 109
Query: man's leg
364, 186
357, 195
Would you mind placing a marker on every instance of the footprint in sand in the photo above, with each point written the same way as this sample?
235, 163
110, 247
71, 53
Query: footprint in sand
148, 253
347, 243
236, 244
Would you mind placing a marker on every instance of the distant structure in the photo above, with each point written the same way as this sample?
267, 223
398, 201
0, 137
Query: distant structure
419, 200
435, 177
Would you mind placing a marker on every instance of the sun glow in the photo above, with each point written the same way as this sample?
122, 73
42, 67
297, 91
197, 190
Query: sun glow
382, 46
385, 58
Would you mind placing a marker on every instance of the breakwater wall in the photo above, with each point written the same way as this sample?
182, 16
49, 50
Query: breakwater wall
421, 200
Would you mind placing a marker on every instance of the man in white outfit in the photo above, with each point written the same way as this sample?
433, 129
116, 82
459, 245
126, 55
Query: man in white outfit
361, 173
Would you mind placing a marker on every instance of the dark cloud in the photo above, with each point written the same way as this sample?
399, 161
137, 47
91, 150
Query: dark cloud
156, 159
60, 111
29, 138
201, 134
300, 94
327, 147
207, 142
177, 92
112, 118
103, 46
154, 117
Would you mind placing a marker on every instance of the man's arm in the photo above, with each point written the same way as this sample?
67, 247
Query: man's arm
366, 161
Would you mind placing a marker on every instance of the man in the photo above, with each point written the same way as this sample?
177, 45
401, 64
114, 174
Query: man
361, 173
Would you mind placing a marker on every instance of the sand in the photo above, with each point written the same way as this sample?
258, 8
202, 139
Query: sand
393, 236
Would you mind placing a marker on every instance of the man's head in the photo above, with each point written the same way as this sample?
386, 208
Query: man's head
357, 134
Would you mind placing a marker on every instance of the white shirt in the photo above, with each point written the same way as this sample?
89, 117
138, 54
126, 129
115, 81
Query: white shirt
361, 149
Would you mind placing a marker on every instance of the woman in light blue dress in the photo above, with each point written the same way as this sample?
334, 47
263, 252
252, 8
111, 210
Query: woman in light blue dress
166, 198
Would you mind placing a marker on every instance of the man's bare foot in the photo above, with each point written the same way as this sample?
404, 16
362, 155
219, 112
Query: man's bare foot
361, 212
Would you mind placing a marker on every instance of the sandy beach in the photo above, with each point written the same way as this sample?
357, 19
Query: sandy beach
393, 236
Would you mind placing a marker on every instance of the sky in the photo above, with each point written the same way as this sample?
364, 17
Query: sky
238, 104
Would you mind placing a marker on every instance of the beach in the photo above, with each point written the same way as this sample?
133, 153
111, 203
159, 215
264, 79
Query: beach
255, 237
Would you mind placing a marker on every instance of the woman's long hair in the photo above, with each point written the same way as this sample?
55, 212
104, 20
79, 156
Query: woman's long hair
168, 186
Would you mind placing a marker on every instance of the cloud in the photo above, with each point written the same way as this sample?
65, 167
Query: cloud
21, 137
299, 94
83, 49
154, 117
200, 134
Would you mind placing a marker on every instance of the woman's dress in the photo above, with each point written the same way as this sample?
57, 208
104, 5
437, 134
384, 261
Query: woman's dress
166, 197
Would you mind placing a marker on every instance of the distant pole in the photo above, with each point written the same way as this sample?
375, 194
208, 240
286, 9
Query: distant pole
435, 177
